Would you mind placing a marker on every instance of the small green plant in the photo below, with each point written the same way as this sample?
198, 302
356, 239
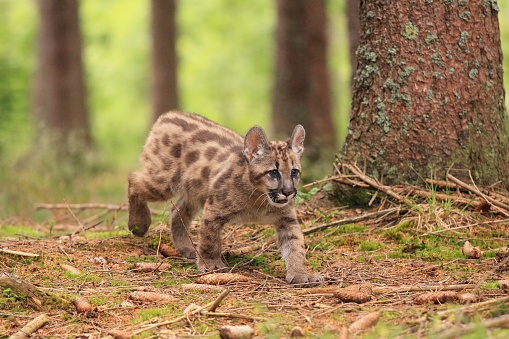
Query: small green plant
368, 246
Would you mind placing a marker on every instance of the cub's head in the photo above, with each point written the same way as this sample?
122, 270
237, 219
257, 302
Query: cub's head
274, 167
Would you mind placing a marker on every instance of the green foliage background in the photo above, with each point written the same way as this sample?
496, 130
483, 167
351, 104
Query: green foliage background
225, 50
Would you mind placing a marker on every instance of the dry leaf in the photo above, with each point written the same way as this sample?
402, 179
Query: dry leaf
71, 269
151, 266
221, 278
168, 251
437, 297
236, 332
470, 251
82, 304
365, 322
150, 296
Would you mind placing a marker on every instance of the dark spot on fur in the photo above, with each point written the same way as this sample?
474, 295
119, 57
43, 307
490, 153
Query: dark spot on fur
210, 200
241, 160
255, 177
192, 157
160, 180
205, 172
166, 140
205, 136
223, 178
176, 177
222, 195
176, 150
185, 125
155, 150
154, 192
222, 157
167, 163
195, 184
210, 153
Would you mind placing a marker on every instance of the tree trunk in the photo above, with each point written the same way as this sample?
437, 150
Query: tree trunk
428, 92
301, 93
164, 58
59, 93
354, 32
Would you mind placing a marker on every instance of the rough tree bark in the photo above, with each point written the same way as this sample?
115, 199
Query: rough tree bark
354, 31
164, 57
302, 93
428, 91
59, 90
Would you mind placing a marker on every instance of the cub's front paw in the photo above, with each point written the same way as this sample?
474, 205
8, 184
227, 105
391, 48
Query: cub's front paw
212, 265
304, 279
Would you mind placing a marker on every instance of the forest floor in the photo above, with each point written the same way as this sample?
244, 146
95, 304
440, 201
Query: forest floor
402, 273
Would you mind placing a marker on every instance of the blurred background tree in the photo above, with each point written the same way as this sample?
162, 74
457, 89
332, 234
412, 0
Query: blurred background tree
302, 91
164, 87
59, 99
226, 51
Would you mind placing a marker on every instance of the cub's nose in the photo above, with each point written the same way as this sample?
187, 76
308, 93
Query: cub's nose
288, 192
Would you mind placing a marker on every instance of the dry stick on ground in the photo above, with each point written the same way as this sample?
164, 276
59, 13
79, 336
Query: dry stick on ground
31, 327
472, 307
394, 289
477, 192
456, 332
273, 238
108, 207
23, 254
207, 307
375, 184
25, 289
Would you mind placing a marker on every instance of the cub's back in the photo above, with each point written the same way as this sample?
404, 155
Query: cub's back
184, 152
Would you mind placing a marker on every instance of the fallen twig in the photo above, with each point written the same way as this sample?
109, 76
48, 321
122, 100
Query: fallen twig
477, 192
23, 254
473, 306
108, 207
25, 289
393, 289
353, 220
456, 332
31, 327
375, 184
273, 238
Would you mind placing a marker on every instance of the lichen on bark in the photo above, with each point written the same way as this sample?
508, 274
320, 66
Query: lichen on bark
429, 96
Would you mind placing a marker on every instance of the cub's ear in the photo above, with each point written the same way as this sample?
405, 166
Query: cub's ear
255, 143
296, 141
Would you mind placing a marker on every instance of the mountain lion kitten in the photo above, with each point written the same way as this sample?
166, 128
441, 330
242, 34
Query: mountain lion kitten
234, 180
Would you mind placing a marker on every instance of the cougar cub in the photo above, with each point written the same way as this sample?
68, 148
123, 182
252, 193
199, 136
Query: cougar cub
233, 179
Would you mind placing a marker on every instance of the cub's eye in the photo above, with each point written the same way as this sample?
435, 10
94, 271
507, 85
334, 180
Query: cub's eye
295, 172
274, 173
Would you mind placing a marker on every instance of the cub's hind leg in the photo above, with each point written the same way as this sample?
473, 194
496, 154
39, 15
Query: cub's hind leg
140, 191
181, 216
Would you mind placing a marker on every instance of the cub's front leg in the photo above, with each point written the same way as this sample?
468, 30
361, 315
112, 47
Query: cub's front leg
293, 252
209, 243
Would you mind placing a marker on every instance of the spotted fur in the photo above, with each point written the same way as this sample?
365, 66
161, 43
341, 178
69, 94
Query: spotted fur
233, 179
